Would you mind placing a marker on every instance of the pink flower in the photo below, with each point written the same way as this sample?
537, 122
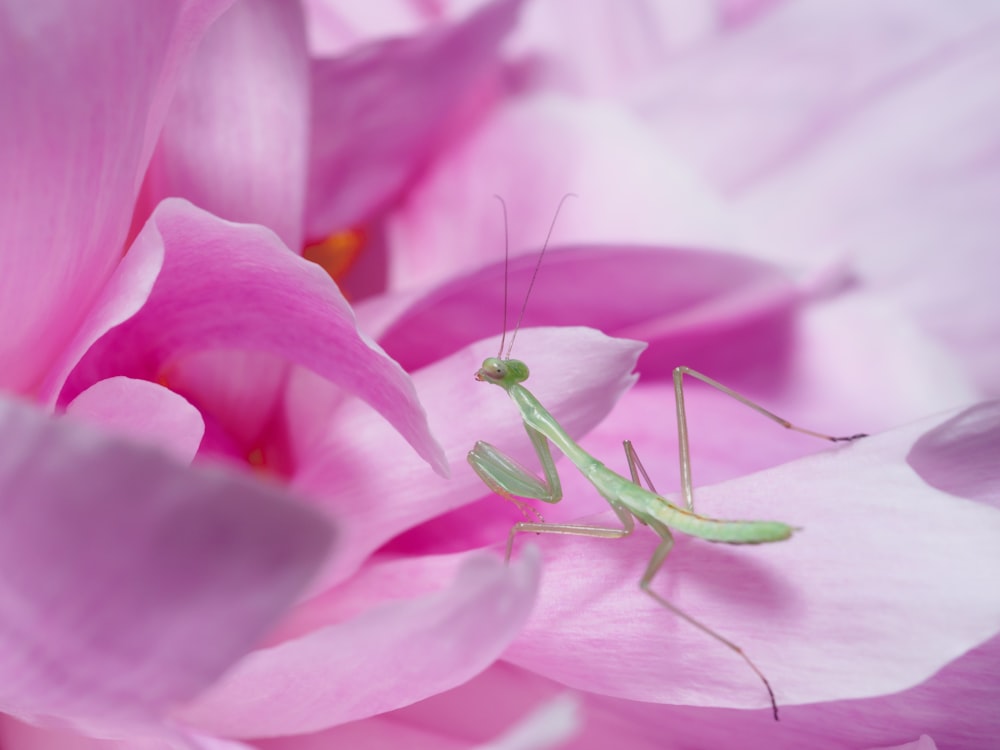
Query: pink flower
697, 134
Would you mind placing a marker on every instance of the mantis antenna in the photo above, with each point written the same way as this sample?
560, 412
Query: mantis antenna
534, 275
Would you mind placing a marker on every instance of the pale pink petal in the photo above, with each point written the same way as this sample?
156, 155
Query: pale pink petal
451, 223
924, 743
311, 682
143, 411
877, 593
235, 137
824, 122
130, 583
77, 132
231, 286
758, 99
359, 469
336, 25
368, 144
605, 48
956, 707
906, 188
960, 456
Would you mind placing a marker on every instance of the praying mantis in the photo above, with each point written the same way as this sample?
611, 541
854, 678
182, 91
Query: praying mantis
627, 497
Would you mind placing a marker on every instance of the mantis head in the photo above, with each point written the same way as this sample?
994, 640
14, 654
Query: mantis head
502, 372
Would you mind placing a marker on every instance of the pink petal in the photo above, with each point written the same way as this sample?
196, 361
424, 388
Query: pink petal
234, 140
144, 411
450, 222
873, 597
135, 588
77, 132
240, 396
359, 469
229, 286
17, 735
367, 145
960, 455
494, 702
388, 656
124, 294
548, 725
694, 307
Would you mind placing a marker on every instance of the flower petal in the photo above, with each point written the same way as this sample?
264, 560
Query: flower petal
688, 304
144, 411
230, 286
67, 193
956, 707
366, 145
17, 735
358, 469
309, 683
235, 137
882, 589
450, 224
759, 97
960, 455
132, 590
124, 294
901, 185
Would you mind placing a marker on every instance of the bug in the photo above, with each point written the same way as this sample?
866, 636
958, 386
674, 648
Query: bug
628, 498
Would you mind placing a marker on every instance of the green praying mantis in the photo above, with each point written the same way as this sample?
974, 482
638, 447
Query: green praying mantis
627, 497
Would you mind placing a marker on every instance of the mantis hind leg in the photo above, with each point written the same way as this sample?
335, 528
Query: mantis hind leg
684, 451
655, 563
659, 558
569, 529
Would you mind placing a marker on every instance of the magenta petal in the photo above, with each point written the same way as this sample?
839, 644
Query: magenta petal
366, 145
694, 307
231, 286
881, 589
386, 657
960, 456
234, 140
144, 411
16, 735
77, 130
130, 583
